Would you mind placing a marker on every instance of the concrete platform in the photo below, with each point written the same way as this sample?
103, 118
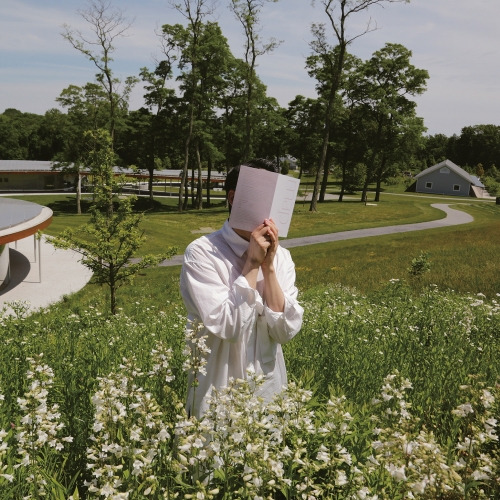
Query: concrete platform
60, 274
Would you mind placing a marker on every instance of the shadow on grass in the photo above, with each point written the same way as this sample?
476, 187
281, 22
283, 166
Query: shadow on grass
142, 204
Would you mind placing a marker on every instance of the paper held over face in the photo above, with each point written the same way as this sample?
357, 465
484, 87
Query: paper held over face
260, 195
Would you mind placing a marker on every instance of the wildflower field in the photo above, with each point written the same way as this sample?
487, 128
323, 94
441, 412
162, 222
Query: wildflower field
393, 395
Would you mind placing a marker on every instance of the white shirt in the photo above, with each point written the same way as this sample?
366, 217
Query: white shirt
242, 332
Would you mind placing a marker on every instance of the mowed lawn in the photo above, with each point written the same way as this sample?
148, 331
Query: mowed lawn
463, 258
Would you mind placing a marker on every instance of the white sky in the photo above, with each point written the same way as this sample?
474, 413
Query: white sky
456, 41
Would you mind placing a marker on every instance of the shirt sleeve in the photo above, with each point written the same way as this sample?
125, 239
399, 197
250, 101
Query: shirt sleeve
226, 310
283, 326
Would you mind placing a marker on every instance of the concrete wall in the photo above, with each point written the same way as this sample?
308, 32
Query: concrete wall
443, 181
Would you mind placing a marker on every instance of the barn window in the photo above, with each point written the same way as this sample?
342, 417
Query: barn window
428, 185
456, 187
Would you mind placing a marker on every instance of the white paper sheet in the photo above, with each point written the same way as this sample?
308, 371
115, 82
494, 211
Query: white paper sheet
260, 195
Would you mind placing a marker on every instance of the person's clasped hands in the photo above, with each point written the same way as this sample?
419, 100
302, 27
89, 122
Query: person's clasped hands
263, 244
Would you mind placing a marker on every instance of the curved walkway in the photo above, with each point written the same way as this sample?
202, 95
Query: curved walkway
63, 274
60, 273
453, 218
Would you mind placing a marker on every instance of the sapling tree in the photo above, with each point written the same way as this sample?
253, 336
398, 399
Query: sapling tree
111, 238
420, 265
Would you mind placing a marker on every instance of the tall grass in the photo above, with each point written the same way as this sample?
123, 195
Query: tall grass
395, 396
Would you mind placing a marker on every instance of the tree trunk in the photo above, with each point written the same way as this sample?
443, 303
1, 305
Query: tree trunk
328, 118
324, 182
150, 184
377, 192
364, 193
326, 139
112, 288
343, 181
199, 186
182, 205
209, 178
79, 194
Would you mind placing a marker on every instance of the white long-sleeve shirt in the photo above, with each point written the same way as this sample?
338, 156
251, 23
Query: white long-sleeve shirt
242, 332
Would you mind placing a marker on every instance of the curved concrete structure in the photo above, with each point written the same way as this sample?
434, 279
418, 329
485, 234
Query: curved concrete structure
18, 219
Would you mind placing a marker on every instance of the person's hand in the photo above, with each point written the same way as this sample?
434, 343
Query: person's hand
259, 244
272, 237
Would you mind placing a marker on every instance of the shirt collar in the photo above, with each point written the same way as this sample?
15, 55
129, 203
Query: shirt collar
238, 244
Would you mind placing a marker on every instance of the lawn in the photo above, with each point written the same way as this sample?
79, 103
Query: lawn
462, 258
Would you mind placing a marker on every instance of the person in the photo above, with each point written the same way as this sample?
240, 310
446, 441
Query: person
239, 286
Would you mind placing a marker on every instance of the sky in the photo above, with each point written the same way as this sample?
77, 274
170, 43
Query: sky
456, 41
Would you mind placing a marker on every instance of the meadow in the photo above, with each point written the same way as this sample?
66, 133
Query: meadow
394, 379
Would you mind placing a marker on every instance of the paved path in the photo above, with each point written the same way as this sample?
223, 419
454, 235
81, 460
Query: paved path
453, 218
62, 273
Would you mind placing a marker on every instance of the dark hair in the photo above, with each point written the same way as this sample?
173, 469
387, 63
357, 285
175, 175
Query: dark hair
232, 176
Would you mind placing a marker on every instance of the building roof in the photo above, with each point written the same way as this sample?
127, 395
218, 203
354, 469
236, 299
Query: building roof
27, 166
455, 168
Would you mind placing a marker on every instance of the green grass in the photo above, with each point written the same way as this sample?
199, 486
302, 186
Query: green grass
350, 340
463, 258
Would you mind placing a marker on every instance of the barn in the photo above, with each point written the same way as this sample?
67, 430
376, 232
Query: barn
448, 179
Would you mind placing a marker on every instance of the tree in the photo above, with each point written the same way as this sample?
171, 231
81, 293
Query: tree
204, 56
478, 144
187, 41
106, 25
387, 83
338, 12
87, 109
111, 238
304, 121
19, 138
160, 101
247, 12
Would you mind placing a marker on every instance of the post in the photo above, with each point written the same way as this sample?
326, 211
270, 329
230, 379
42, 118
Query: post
40, 258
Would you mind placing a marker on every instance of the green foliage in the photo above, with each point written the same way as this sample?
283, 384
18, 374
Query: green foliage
112, 237
420, 265
391, 395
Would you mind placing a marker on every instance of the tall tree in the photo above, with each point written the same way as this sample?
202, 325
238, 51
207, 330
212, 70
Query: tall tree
304, 125
158, 97
248, 14
106, 25
87, 109
337, 12
388, 82
187, 41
